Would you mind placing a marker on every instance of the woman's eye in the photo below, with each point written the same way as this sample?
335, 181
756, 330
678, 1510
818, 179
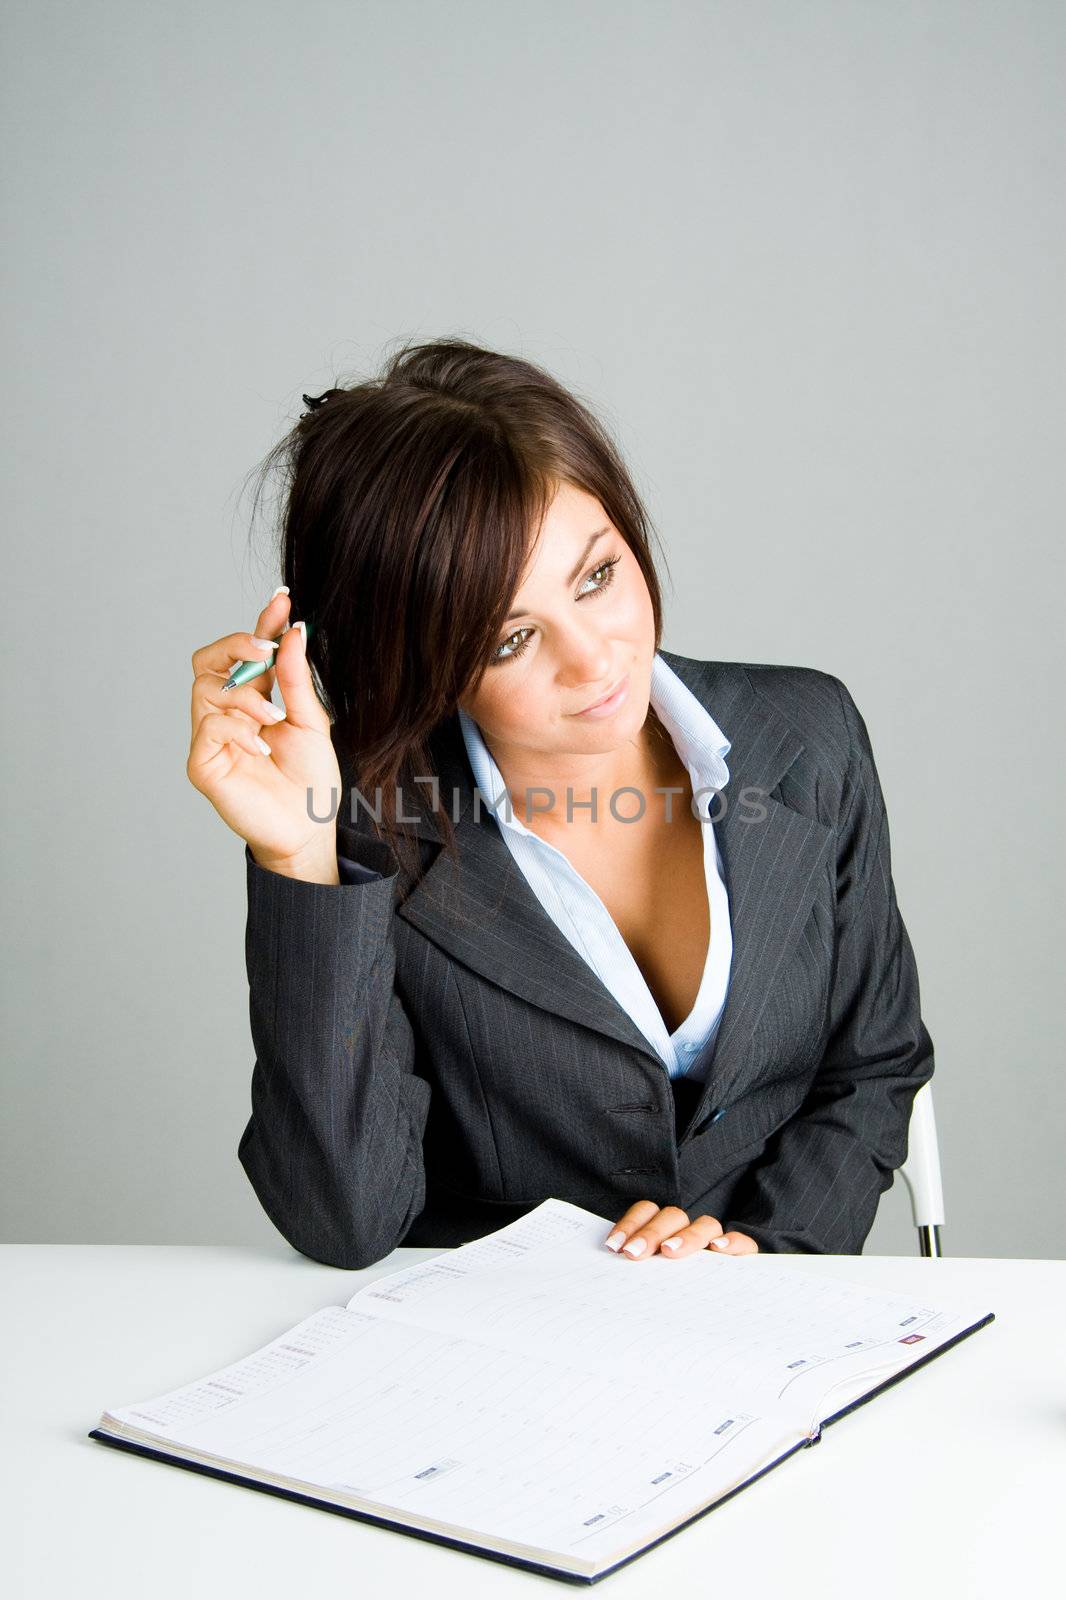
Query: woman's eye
606, 567
512, 654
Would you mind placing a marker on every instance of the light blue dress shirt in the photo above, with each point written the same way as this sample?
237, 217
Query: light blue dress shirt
580, 914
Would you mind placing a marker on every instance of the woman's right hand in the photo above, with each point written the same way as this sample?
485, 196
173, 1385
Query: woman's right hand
264, 797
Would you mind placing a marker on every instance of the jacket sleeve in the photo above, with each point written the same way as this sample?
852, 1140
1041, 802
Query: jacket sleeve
334, 1145
818, 1187
350, 871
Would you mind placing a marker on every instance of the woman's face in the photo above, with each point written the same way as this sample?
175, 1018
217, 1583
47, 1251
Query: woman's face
578, 626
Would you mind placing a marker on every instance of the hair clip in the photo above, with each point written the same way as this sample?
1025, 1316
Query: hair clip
313, 401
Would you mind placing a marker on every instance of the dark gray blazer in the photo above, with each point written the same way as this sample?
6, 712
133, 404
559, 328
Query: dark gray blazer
430, 1065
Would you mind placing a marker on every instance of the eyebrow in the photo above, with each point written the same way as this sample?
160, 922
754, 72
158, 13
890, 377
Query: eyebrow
577, 570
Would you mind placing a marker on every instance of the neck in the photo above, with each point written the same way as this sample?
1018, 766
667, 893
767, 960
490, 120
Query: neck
644, 763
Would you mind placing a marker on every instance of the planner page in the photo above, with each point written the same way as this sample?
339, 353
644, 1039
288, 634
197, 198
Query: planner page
733, 1326
526, 1454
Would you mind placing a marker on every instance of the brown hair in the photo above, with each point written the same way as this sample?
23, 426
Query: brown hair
410, 505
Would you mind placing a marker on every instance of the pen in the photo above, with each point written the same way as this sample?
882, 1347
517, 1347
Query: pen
247, 670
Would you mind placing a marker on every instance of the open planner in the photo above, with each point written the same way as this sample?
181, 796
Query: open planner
535, 1398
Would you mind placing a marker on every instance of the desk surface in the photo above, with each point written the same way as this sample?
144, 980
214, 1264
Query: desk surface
950, 1484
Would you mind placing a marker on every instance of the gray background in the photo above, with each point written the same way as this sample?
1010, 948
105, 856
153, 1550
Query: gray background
806, 261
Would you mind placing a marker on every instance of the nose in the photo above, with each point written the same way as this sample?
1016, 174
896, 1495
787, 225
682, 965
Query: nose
586, 661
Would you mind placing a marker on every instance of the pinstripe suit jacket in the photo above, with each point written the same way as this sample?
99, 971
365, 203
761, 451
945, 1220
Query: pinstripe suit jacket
432, 1061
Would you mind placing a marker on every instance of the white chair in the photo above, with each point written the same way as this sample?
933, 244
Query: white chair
921, 1173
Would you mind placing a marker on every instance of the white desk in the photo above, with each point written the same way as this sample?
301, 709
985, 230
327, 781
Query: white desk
951, 1484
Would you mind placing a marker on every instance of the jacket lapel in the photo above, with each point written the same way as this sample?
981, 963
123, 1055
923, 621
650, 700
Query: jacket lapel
483, 912
772, 857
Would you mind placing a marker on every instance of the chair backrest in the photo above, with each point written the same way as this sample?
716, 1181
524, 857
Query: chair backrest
921, 1170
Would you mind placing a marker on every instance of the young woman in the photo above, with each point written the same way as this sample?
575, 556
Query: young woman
516, 928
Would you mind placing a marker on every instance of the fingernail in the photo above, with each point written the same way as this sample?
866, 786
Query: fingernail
670, 1244
721, 1244
302, 626
265, 644
635, 1247
277, 712
282, 588
615, 1240
264, 747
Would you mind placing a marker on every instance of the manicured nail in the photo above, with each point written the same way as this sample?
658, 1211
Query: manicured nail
303, 634
721, 1244
277, 712
671, 1244
635, 1247
282, 588
264, 747
615, 1240
265, 644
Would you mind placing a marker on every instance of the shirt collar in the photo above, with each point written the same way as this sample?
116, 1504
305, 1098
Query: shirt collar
698, 740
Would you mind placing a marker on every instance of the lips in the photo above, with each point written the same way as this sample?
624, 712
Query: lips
611, 691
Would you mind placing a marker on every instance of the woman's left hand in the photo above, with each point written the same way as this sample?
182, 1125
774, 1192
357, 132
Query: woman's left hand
647, 1228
